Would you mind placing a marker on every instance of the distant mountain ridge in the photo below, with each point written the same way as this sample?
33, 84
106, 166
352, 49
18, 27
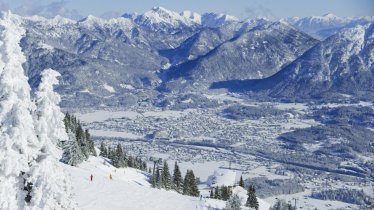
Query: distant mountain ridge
324, 26
341, 64
256, 54
161, 19
136, 57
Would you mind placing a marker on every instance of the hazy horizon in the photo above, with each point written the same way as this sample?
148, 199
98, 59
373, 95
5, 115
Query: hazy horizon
272, 9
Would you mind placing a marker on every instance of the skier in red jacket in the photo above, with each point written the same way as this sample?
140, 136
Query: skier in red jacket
91, 177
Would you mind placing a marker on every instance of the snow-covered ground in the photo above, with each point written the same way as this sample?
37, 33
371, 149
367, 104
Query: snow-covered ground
303, 201
118, 134
129, 189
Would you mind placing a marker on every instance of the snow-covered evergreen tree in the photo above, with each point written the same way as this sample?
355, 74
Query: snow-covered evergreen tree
282, 205
252, 199
177, 179
190, 185
103, 150
233, 203
217, 193
118, 159
18, 143
225, 192
79, 146
166, 177
91, 145
29, 174
73, 154
48, 118
82, 141
50, 187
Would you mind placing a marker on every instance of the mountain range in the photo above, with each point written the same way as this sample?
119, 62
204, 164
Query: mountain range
137, 57
341, 64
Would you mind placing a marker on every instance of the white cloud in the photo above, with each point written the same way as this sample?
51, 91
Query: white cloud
258, 10
37, 7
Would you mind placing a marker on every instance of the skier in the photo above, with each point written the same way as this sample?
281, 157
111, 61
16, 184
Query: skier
110, 176
91, 177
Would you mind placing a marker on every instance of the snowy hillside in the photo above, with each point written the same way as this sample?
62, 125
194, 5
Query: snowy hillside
129, 189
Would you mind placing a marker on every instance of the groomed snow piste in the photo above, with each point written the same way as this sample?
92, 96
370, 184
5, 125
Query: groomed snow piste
129, 189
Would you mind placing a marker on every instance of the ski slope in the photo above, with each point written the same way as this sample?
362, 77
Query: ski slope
128, 189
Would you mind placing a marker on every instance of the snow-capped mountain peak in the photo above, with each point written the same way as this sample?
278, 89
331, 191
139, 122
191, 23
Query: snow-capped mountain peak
214, 20
60, 20
327, 17
161, 19
92, 20
160, 15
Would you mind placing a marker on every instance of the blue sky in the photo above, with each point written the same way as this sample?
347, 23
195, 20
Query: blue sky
240, 8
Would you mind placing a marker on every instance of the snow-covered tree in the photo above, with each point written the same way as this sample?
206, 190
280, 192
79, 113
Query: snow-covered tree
82, 141
118, 159
225, 192
103, 150
166, 177
233, 203
50, 187
79, 145
73, 154
177, 179
91, 144
217, 193
222, 193
281, 205
29, 174
48, 118
18, 143
252, 199
190, 185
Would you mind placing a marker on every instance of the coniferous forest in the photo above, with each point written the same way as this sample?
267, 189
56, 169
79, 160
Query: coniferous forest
79, 146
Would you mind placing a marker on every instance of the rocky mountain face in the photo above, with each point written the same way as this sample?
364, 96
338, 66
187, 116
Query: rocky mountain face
340, 65
134, 58
256, 54
208, 38
101, 62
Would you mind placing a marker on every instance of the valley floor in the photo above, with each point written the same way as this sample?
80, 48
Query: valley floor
232, 136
